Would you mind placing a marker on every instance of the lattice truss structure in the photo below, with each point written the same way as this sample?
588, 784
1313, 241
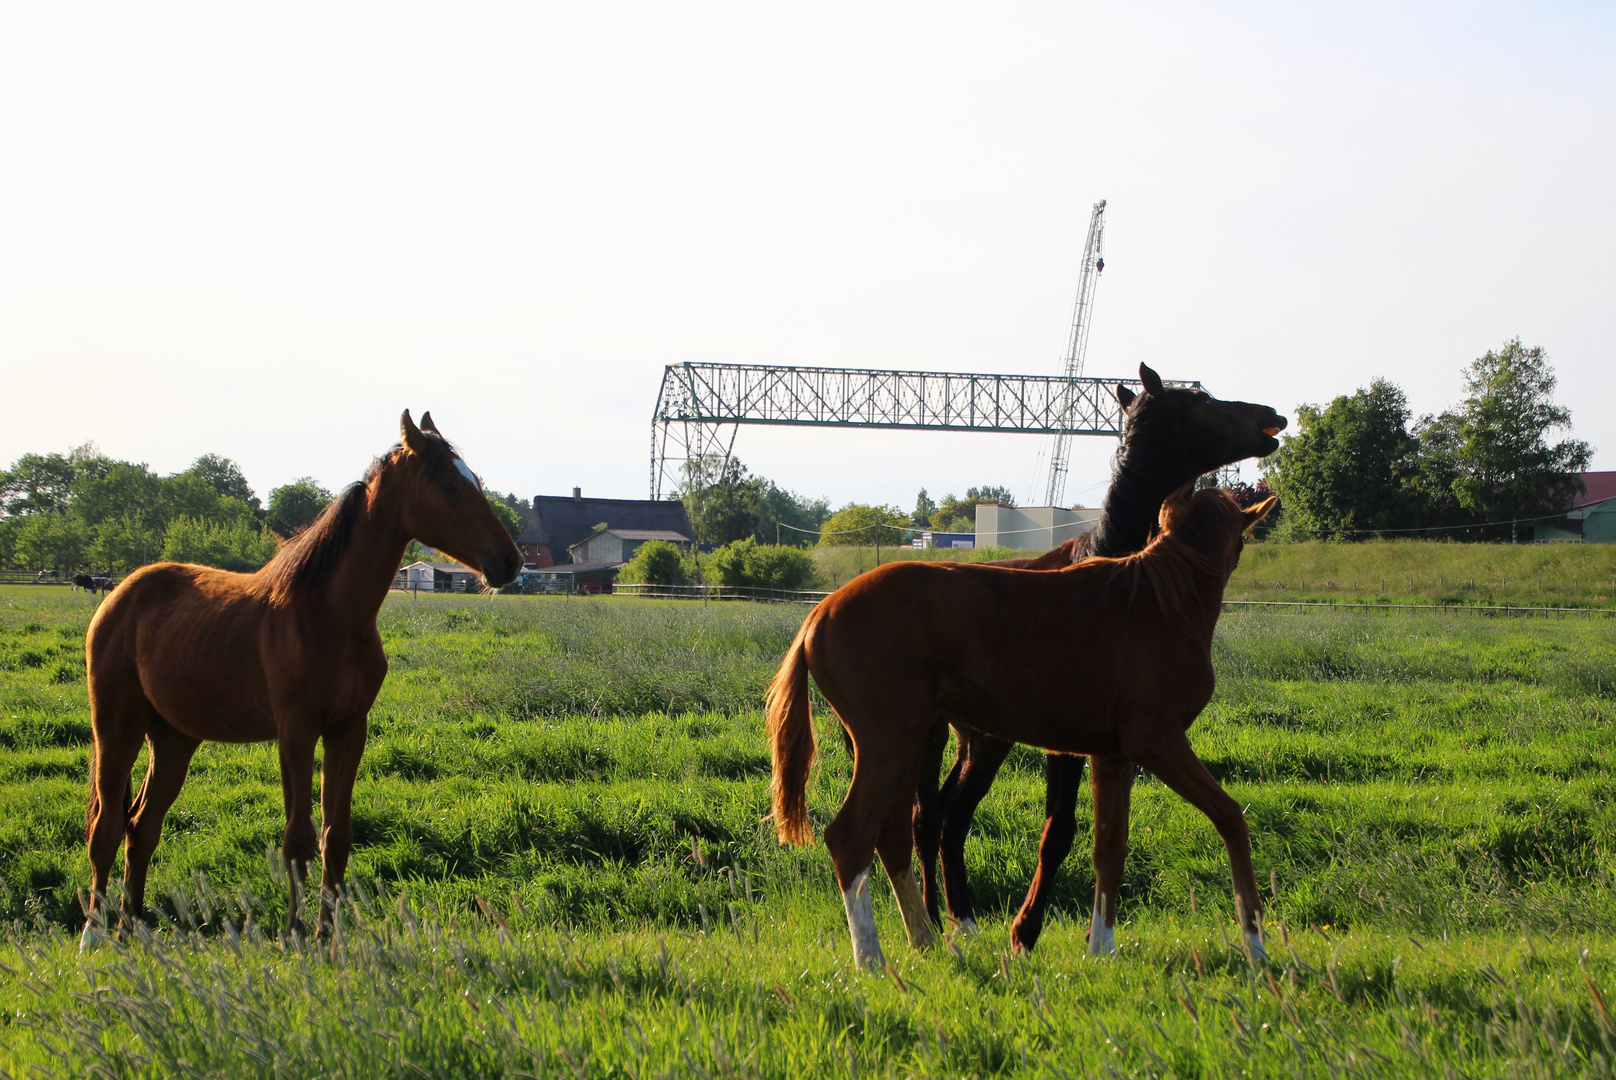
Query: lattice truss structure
701, 406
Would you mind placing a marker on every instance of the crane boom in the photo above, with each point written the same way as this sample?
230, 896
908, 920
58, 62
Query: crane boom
1076, 346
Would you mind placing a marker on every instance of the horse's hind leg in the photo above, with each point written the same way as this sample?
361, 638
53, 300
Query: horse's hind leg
1063, 778
876, 808
897, 858
928, 817
1112, 780
118, 725
171, 753
981, 757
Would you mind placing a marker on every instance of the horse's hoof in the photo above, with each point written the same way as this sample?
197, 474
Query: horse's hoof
1254, 944
91, 939
870, 960
1102, 941
967, 928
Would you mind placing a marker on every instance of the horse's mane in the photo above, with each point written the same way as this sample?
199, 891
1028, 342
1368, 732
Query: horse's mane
311, 556
1175, 571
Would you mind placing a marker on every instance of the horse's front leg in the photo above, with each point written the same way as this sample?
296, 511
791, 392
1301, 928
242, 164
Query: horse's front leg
1177, 766
1112, 781
344, 746
300, 844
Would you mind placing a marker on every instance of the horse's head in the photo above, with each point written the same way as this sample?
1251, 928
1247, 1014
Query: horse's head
1193, 431
1211, 523
445, 507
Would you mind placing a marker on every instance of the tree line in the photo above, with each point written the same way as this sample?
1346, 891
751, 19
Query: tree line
85, 510
1362, 466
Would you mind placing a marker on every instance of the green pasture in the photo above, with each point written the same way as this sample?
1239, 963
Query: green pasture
561, 869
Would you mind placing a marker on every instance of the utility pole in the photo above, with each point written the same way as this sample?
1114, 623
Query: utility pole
1078, 343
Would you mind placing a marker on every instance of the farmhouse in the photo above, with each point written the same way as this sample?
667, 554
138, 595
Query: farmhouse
619, 545
556, 524
1593, 514
1033, 527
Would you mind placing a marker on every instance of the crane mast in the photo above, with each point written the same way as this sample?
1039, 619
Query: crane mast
1076, 346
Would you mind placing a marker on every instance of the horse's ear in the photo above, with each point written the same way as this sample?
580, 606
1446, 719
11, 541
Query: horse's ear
1125, 396
428, 426
1258, 512
1174, 502
413, 440
1152, 381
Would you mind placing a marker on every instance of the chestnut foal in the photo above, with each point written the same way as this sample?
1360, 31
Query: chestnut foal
910, 647
178, 654
1171, 435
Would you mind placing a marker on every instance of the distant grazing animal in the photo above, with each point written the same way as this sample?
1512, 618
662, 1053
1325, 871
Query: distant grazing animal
1171, 435
84, 581
46, 575
103, 582
1110, 657
290, 653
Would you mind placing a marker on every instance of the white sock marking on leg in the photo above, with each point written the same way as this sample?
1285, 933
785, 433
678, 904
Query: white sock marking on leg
913, 906
861, 923
1102, 938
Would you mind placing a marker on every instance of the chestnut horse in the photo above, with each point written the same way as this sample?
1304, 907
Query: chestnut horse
904, 650
179, 654
1171, 435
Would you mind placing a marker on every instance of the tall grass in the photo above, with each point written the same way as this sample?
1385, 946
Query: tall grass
562, 869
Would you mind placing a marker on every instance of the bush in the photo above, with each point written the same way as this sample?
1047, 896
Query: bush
763, 566
656, 562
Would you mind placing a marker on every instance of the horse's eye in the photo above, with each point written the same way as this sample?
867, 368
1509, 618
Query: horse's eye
450, 488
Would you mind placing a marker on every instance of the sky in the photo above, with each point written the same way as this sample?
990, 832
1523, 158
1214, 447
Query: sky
263, 232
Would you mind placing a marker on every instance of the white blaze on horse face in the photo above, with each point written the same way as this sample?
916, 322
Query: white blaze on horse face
861, 923
465, 470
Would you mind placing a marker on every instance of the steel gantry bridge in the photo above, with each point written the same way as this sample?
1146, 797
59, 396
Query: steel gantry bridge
700, 407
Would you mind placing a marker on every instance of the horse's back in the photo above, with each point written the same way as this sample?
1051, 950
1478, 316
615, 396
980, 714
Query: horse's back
191, 636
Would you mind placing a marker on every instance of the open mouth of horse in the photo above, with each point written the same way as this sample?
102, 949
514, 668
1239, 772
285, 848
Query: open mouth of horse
1270, 431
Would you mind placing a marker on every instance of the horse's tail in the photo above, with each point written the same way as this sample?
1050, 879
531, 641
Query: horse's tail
791, 736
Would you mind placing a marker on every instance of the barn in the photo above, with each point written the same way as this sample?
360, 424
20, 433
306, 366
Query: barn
1593, 513
557, 523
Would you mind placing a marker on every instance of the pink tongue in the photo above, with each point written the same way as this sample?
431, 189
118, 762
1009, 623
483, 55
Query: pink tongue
1270, 431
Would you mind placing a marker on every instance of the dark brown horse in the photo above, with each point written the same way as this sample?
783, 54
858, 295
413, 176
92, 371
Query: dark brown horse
909, 648
179, 654
1171, 435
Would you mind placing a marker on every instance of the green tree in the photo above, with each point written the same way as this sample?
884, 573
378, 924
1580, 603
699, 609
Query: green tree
1506, 466
1350, 467
293, 507
721, 499
225, 477
924, 509
230, 545
858, 525
959, 515
763, 566
787, 518
655, 562
50, 541
47, 483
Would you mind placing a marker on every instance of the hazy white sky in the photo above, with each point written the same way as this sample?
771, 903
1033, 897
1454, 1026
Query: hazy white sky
264, 233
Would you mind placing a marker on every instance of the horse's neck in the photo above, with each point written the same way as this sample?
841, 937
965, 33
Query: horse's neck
1132, 506
359, 585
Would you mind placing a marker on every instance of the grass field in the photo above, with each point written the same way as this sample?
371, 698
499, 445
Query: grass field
1375, 571
562, 871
